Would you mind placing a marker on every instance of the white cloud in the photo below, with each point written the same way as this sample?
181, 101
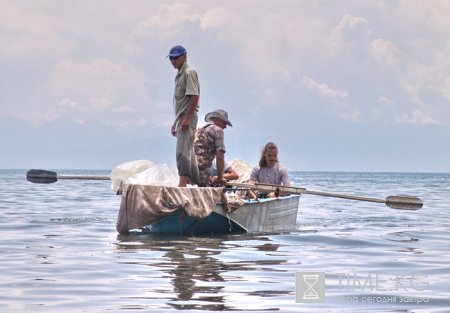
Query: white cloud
354, 116
323, 89
417, 117
446, 89
213, 18
100, 89
386, 100
100, 68
65, 108
69, 104
386, 53
370, 62
101, 102
351, 29
125, 109
28, 33
169, 20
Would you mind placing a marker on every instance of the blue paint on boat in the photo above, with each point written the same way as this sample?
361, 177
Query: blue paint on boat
264, 215
180, 223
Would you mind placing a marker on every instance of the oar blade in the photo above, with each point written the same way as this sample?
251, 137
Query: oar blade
41, 176
404, 203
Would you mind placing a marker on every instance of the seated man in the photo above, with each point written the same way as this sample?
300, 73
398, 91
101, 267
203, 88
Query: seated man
228, 174
269, 171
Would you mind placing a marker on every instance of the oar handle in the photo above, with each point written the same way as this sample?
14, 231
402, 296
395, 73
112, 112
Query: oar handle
86, 177
342, 196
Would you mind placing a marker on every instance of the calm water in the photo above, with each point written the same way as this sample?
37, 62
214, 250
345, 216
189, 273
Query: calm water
60, 252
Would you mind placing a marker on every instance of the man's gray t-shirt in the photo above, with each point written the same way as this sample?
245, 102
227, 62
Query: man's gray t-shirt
186, 85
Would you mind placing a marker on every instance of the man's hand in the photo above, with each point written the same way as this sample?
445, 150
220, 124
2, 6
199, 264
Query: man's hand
213, 180
185, 124
216, 182
221, 182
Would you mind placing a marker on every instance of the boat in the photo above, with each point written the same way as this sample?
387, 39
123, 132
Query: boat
151, 203
267, 215
166, 209
202, 211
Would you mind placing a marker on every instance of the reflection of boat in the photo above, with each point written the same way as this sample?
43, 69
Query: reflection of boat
196, 211
198, 273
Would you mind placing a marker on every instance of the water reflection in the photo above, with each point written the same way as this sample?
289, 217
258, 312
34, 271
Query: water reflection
195, 269
193, 272
404, 238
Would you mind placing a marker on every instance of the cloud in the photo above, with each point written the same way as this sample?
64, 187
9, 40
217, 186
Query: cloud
352, 30
386, 100
386, 53
323, 89
352, 64
125, 109
175, 19
213, 18
446, 88
417, 117
28, 33
102, 89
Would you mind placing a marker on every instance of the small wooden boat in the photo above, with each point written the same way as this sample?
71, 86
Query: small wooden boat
201, 210
263, 216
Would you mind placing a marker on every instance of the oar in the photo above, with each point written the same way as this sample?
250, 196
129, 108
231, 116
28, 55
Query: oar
394, 202
48, 177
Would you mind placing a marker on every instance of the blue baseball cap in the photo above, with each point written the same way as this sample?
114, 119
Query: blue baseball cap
176, 51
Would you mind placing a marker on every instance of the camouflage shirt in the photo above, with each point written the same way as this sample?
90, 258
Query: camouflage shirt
208, 140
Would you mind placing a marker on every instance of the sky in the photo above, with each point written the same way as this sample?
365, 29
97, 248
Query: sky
337, 85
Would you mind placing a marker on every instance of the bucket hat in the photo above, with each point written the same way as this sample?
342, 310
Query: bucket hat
220, 114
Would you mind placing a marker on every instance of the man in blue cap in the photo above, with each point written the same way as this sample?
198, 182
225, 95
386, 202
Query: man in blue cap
186, 106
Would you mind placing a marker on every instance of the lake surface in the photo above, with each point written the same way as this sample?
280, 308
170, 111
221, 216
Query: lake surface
60, 252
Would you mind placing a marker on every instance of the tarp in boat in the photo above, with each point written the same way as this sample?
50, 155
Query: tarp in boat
149, 193
143, 205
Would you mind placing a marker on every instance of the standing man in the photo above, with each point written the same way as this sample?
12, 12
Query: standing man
186, 106
209, 145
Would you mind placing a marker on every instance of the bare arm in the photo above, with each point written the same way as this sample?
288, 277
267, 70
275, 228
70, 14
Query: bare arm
220, 161
252, 181
230, 174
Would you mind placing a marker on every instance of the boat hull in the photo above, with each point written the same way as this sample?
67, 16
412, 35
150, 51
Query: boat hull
263, 216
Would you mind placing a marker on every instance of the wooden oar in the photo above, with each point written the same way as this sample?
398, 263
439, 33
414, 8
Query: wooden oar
394, 202
48, 177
